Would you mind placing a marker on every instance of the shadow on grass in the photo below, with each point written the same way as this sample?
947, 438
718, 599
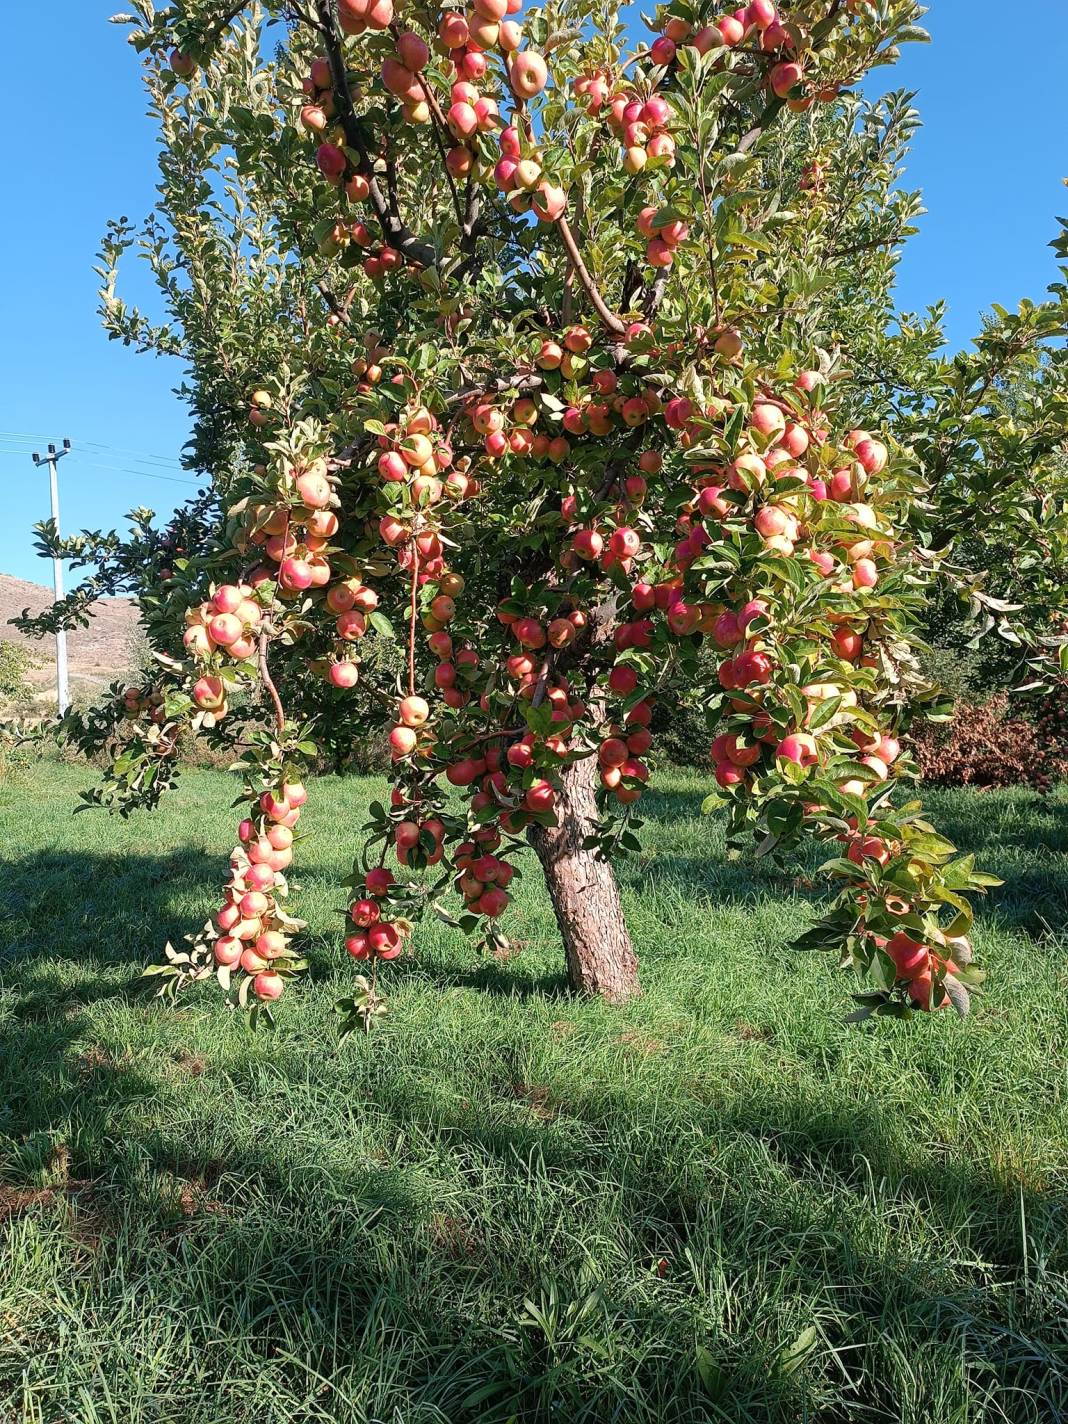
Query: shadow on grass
663, 1198
1031, 859
365, 1283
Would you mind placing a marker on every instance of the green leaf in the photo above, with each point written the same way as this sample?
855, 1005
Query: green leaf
795, 1354
712, 1377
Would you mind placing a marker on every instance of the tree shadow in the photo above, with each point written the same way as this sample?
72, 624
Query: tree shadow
366, 1278
410, 1308
1024, 841
505, 978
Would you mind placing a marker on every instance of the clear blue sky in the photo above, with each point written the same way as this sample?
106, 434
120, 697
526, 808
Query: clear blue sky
990, 162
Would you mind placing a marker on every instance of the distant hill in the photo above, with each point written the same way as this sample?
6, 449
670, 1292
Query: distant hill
106, 650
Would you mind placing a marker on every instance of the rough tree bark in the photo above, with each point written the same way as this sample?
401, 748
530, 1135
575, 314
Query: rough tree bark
585, 896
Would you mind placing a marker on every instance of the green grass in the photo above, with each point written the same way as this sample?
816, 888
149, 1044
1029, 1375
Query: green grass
717, 1203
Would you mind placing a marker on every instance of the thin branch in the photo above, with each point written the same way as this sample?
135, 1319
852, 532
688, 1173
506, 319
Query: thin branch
611, 321
340, 309
224, 20
412, 619
444, 157
863, 247
543, 680
268, 682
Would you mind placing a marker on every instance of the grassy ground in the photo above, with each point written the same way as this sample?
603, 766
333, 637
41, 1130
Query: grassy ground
715, 1204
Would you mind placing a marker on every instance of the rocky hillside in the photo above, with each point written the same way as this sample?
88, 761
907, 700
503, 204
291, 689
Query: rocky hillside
107, 649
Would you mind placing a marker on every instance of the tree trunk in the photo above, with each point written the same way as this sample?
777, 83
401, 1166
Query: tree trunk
585, 896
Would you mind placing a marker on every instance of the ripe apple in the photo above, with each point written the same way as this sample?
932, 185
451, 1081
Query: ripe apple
414, 711
800, 748
528, 73
268, 985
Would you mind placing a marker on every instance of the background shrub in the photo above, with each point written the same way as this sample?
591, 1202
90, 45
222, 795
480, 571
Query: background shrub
15, 663
991, 744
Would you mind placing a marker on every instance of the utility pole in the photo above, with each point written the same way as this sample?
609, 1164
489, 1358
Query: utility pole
62, 683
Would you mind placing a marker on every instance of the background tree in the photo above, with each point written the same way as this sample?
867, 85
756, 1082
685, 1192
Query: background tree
549, 360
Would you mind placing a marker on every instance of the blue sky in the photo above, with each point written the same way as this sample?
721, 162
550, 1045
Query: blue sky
990, 160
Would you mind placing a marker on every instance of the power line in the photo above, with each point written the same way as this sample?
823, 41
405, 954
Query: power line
139, 455
120, 469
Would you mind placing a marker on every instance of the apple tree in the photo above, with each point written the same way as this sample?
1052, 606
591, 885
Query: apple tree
526, 348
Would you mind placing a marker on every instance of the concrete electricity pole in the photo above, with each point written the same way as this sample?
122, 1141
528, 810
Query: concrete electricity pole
62, 683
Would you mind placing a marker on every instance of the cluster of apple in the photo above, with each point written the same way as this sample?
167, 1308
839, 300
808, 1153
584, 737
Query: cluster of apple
259, 408
252, 927
225, 624
318, 88
413, 713
358, 16
508, 432
402, 76
483, 879
769, 471
759, 20
456, 667
332, 162
350, 600
662, 239
918, 965
627, 738
640, 121
410, 834
294, 536
503, 773
143, 702
641, 127
415, 454
465, 38
598, 411
293, 532
375, 935
147, 705
456, 677
367, 368
521, 177
469, 113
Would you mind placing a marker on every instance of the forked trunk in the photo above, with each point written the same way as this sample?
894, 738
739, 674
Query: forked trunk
585, 896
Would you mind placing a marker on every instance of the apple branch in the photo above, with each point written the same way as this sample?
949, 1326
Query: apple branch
611, 321
268, 682
413, 616
394, 231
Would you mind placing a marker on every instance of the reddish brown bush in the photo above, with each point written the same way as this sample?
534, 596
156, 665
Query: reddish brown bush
985, 746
